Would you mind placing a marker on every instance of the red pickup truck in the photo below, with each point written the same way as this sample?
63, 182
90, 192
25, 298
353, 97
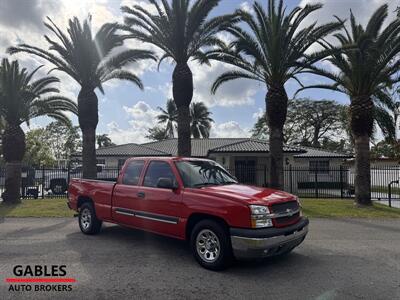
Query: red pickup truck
195, 200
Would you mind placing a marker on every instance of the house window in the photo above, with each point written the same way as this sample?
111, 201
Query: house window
101, 161
319, 166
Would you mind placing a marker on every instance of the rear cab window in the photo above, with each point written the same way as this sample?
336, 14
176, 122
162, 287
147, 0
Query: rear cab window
132, 172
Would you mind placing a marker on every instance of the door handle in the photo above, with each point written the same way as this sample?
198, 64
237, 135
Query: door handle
141, 194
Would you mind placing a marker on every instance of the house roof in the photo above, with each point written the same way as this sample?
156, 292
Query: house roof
200, 147
251, 146
129, 150
317, 153
203, 147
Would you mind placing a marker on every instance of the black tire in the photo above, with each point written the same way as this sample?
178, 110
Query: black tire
58, 186
224, 256
88, 221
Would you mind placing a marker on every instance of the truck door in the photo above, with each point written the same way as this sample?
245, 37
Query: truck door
160, 208
126, 194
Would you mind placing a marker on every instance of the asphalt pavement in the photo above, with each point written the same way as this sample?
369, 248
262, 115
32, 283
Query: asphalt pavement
340, 259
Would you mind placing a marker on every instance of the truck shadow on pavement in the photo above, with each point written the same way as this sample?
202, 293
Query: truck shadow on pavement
152, 248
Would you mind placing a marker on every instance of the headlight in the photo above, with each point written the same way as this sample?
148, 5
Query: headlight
259, 216
300, 206
259, 210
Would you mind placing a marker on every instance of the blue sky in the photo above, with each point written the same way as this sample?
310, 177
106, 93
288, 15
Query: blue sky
126, 112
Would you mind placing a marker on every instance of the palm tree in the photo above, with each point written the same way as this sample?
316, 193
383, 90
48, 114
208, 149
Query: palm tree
200, 121
181, 31
90, 61
366, 66
273, 53
200, 124
22, 99
168, 117
103, 140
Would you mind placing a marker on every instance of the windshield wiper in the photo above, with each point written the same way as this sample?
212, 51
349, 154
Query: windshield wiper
204, 184
229, 182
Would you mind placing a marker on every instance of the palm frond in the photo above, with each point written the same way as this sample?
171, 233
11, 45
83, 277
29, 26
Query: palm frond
123, 75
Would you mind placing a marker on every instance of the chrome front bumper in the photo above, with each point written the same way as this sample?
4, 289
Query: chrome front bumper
256, 243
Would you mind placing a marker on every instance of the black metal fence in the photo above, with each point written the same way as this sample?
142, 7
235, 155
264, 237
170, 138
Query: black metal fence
53, 182
304, 182
327, 182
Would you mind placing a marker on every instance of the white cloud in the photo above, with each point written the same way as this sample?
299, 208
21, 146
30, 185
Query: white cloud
246, 6
259, 113
141, 117
235, 93
362, 9
229, 129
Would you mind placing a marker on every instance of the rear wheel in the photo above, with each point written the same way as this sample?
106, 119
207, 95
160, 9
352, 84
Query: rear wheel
211, 245
88, 222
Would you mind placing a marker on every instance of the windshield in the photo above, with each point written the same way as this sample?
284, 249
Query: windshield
199, 173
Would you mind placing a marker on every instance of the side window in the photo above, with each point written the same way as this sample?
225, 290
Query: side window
132, 172
157, 170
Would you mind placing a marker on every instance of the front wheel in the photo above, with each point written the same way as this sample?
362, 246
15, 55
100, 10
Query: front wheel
88, 222
211, 245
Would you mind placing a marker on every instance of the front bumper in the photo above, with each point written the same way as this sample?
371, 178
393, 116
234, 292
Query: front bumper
256, 243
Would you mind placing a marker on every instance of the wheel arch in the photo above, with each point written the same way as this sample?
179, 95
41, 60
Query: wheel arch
197, 217
84, 199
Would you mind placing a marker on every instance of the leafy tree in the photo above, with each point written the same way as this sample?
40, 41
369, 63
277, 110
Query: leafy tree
386, 149
38, 151
104, 140
367, 65
90, 61
274, 51
308, 123
63, 139
22, 99
156, 134
181, 30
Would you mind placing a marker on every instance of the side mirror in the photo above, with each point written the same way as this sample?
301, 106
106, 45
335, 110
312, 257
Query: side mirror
166, 183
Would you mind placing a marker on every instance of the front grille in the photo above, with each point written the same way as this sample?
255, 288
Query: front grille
284, 208
283, 221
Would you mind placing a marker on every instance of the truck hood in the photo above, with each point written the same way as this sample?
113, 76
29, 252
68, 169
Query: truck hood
247, 193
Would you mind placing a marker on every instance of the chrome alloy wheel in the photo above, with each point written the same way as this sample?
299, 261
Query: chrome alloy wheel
86, 218
208, 246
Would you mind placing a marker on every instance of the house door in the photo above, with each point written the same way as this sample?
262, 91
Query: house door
245, 170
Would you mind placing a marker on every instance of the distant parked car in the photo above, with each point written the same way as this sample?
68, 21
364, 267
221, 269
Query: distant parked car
56, 180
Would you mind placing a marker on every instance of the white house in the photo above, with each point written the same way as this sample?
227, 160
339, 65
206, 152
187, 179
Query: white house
246, 158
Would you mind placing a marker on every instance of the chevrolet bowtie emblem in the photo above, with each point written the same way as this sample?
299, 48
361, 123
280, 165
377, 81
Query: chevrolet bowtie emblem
289, 211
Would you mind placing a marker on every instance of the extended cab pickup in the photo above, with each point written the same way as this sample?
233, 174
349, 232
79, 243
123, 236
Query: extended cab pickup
195, 200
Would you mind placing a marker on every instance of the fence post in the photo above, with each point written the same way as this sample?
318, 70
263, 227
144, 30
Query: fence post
69, 173
316, 181
291, 178
341, 181
265, 176
43, 182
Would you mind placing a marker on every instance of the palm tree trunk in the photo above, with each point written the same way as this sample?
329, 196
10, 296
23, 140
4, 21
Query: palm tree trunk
88, 119
362, 180
182, 81
13, 146
276, 102
362, 120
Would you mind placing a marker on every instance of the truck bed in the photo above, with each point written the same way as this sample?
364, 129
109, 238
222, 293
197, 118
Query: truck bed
101, 190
